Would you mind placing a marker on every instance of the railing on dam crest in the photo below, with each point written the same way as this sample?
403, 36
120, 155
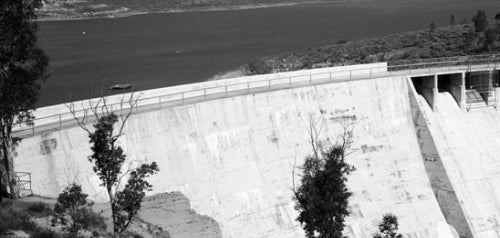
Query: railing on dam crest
398, 68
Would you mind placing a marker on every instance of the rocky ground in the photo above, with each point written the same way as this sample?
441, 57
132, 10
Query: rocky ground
161, 216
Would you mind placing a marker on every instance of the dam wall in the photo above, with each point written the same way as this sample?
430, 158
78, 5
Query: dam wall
468, 148
234, 158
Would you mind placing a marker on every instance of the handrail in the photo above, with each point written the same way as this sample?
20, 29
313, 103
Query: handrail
61, 120
22, 182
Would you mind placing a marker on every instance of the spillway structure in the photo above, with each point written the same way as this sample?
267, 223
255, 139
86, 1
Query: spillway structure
426, 148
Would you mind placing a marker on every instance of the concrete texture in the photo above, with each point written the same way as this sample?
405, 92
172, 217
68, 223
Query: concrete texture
233, 158
468, 147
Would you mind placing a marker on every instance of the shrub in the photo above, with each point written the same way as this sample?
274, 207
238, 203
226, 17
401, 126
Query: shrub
39, 209
73, 211
259, 67
12, 219
15, 220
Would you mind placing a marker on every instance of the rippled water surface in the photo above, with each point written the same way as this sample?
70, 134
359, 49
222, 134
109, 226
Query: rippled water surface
158, 50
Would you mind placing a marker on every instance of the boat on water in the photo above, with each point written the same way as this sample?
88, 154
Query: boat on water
120, 86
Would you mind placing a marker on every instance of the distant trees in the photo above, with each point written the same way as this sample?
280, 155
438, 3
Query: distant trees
465, 21
259, 67
388, 228
22, 70
470, 37
490, 37
108, 159
432, 27
452, 19
480, 21
322, 197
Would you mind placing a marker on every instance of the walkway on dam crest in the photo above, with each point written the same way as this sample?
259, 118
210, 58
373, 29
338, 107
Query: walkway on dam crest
59, 116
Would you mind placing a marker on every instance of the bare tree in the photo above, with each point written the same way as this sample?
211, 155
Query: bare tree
100, 107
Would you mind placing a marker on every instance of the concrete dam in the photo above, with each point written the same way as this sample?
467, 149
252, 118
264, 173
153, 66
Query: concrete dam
426, 147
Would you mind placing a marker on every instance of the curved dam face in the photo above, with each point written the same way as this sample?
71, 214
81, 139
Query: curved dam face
234, 158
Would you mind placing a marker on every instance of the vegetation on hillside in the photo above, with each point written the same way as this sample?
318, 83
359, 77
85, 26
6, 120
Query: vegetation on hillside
18, 216
478, 37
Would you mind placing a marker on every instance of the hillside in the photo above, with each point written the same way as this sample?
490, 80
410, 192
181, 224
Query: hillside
70, 9
453, 40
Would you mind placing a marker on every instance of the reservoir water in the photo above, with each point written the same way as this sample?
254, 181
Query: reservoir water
159, 50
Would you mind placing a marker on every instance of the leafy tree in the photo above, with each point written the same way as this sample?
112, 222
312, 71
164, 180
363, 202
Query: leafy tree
128, 201
74, 212
388, 228
22, 70
480, 21
108, 158
452, 19
497, 16
322, 198
490, 36
432, 26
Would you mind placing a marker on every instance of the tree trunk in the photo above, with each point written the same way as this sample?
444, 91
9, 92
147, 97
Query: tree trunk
9, 175
113, 212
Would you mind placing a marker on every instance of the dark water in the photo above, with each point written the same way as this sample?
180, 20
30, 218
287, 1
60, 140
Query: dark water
159, 50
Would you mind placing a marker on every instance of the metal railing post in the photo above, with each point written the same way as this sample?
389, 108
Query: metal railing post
204, 94
33, 130
248, 88
159, 101
60, 122
226, 90
310, 79
182, 97
269, 83
350, 74
290, 82
330, 76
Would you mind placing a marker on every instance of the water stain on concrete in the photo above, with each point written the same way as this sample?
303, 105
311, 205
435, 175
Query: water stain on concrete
48, 145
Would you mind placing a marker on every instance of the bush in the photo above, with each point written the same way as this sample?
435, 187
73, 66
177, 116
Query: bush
13, 219
39, 209
73, 211
259, 67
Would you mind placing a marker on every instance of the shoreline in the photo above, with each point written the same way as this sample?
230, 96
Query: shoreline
130, 12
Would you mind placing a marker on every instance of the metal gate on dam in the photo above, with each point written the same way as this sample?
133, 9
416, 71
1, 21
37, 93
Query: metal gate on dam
426, 148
